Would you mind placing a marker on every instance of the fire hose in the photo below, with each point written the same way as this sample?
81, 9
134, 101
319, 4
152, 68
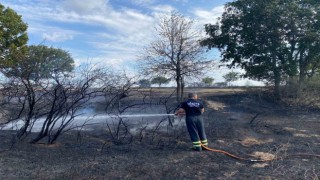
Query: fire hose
256, 160
217, 150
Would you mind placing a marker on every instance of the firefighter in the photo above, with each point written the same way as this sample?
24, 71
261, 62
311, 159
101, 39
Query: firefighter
193, 109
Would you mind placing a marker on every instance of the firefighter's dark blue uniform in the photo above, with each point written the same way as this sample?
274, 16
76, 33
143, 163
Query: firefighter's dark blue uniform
194, 122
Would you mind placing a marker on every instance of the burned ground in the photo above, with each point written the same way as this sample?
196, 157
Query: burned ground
247, 124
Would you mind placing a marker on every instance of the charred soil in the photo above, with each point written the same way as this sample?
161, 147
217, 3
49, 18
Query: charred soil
247, 124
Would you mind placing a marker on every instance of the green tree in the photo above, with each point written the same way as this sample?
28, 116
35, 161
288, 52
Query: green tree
13, 38
144, 83
160, 80
175, 52
230, 77
208, 81
305, 36
271, 40
43, 62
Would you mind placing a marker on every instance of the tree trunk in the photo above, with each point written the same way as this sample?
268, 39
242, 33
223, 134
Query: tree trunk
277, 84
178, 81
30, 110
38, 138
182, 89
277, 77
302, 69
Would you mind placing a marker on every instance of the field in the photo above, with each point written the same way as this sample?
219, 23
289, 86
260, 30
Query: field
246, 123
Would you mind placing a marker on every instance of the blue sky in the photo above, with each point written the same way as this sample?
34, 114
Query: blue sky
106, 31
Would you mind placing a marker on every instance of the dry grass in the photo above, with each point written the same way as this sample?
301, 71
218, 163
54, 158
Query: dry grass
263, 155
260, 165
215, 105
251, 141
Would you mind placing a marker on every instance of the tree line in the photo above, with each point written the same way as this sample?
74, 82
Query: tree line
205, 82
275, 41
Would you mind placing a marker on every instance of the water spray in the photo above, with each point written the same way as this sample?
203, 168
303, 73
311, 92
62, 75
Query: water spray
138, 115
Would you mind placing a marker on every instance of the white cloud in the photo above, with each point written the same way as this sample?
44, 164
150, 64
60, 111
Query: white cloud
130, 27
51, 33
163, 8
86, 7
206, 17
57, 36
143, 2
123, 21
130, 21
115, 63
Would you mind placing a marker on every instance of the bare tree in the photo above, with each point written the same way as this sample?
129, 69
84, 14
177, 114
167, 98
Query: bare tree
54, 103
66, 98
175, 52
117, 127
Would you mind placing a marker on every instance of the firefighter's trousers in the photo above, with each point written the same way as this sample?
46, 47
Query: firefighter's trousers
196, 130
